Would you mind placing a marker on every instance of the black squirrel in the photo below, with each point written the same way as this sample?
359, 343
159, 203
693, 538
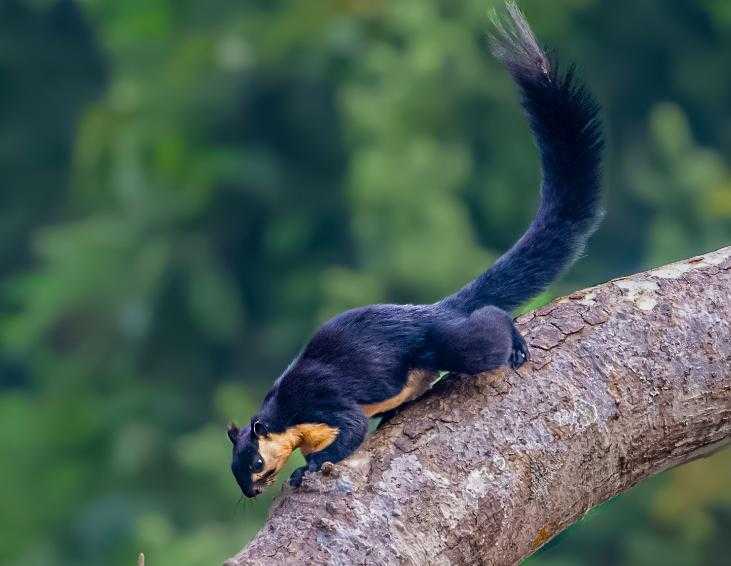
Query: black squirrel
367, 361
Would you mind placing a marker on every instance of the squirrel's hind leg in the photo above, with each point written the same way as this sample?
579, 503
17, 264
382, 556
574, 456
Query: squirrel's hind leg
482, 341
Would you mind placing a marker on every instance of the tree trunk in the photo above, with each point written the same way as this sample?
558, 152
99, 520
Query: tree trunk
627, 379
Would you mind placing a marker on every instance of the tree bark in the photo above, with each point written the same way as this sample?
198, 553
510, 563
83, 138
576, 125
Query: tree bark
626, 379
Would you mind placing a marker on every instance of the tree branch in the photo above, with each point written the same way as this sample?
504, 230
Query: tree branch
627, 379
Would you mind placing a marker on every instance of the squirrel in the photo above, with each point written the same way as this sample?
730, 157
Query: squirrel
368, 361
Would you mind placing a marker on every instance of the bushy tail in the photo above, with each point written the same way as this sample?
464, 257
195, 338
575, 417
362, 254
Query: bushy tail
564, 120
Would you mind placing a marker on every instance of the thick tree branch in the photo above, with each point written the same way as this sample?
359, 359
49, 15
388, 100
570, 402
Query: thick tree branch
627, 379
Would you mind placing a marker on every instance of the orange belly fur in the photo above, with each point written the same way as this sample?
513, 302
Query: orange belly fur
418, 382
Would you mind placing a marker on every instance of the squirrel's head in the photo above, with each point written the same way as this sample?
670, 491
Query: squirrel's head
258, 455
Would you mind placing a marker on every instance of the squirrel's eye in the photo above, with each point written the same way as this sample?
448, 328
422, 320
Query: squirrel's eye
257, 465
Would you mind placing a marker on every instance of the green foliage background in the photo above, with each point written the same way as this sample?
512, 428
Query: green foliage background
189, 188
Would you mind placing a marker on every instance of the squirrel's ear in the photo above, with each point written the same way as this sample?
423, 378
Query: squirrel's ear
259, 429
233, 432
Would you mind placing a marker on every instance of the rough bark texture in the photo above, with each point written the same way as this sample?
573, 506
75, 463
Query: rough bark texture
627, 379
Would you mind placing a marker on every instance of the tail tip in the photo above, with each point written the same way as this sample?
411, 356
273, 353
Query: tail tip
514, 44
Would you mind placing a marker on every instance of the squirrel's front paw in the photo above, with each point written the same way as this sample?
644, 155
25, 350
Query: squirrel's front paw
295, 480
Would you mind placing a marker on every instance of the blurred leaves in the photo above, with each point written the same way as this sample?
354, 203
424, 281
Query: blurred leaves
189, 189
